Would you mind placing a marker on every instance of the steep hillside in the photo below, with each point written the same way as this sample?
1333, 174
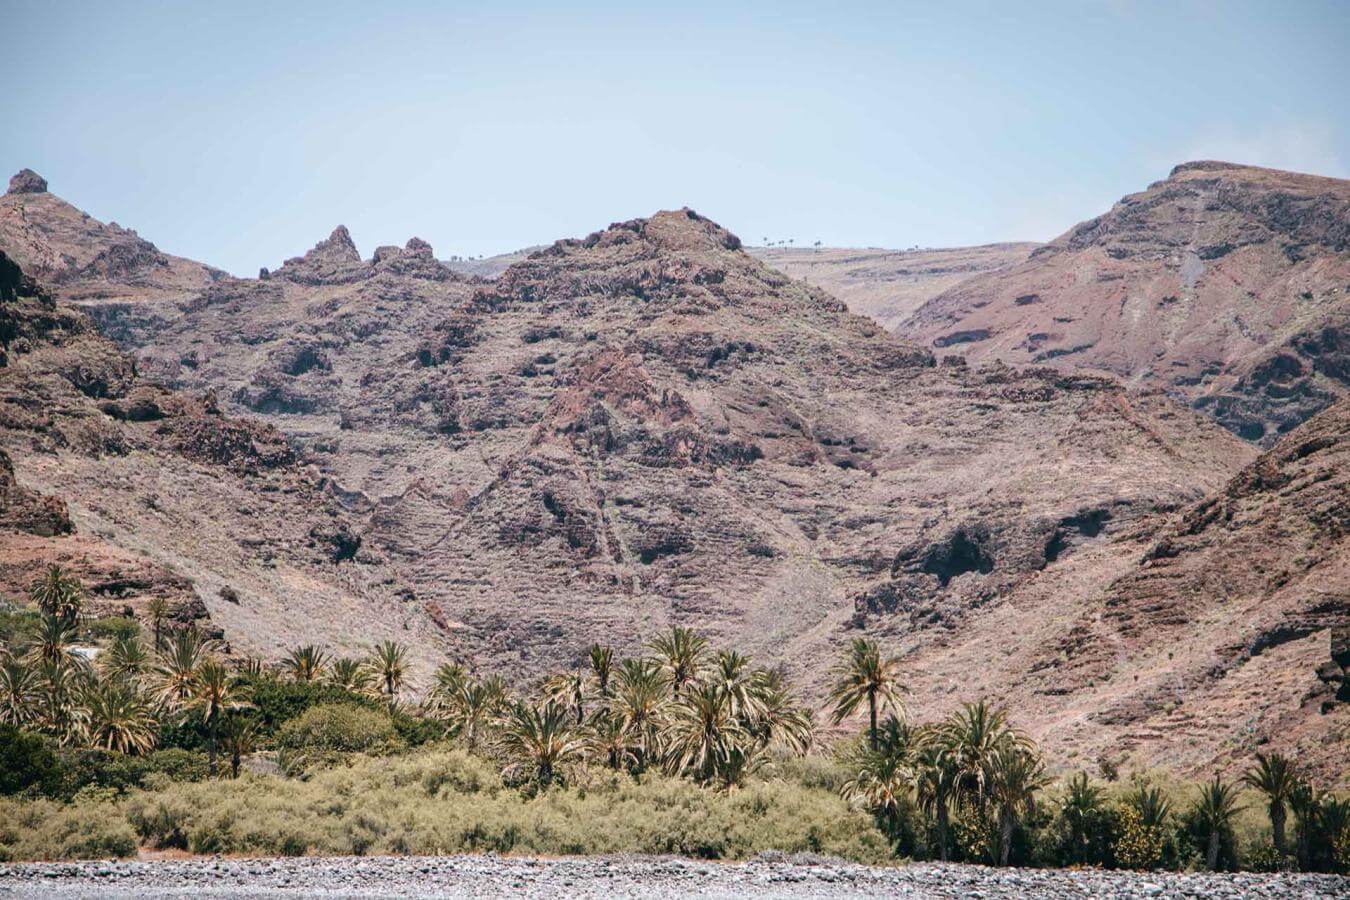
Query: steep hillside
145, 491
80, 258
889, 285
1228, 286
1222, 630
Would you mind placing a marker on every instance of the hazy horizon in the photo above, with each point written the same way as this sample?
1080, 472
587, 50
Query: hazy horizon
240, 136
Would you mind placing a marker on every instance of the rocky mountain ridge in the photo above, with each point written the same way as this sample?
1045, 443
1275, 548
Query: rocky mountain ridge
1226, 285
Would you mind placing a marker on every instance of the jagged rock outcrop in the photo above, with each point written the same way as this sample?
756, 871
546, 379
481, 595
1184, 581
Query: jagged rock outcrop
1226, 285
26, 181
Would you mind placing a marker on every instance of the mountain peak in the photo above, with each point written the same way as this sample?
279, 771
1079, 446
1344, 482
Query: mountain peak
26, 181
337, 247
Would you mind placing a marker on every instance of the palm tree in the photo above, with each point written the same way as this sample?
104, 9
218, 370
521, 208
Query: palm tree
240, 736
1307, 803
116, 716
974, 736
158, 609
936, 778
20, 691
175, 673
1080, 810
602, 667
884, 775
1016, 774
610, 741
539, 743
390, 665
351, 675
471, 710
681, 652
1153, 807
126, 658
704, 739
57, 594
567, 690
306, 664
1275, 777
865, 677
60, 684
637, 704
1214, 811
743, 686
216, 692
55, 641
776, 721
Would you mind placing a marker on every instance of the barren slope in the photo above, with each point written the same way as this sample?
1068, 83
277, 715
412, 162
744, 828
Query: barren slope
145, 491
889, 285
1226, 285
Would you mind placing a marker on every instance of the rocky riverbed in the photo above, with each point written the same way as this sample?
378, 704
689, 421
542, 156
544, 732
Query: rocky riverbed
771, 875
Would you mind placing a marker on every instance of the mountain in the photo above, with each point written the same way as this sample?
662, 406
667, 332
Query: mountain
889, 285
1225, 285
144, 491
643, 427
80, 258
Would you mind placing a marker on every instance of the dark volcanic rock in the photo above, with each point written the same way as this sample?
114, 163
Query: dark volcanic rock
26, 181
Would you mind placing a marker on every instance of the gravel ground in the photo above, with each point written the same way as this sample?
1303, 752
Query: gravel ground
771, 875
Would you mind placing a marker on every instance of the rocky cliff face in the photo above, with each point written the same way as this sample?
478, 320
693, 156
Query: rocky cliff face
144, 491
1226, 285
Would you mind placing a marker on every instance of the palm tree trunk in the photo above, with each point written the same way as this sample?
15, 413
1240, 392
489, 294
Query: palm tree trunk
1277, 826
1005, 836
1212, 856
872, 718
211, 747
942, 828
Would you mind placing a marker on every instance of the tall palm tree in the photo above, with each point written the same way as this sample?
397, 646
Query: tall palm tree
610, 741
216, 692
744, 687
866, 677
20, 691
351, 675
681, 652
1016, 774
936, 777
57, 594
390, 665
158, 610
115, 715
55, 641
602, 667
1215, 810
775, 719
883, 776
60, 684
1275, 777
175, 672
974, 736
471, 711
704, 739
1307, 802
540, 743
640, 694
306, 664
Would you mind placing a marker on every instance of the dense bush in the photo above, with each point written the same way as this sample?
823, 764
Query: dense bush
27, 763
46, 829
342, 728
113, 628
446, 801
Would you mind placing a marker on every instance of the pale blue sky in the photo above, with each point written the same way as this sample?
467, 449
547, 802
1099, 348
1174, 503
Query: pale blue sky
240, 133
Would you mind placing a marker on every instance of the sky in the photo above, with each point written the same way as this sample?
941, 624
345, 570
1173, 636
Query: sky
241, 133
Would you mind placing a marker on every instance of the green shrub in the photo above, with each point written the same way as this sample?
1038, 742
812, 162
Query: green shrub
113, 628
341, 728
47, 830
276, 702
27, 763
